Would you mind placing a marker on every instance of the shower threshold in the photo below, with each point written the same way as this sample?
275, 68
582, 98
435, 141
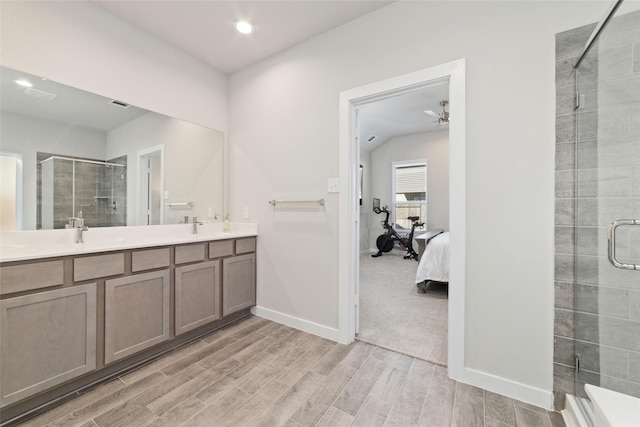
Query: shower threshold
578, 412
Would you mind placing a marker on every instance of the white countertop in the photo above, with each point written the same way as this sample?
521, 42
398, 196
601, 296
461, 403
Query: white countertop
25, 245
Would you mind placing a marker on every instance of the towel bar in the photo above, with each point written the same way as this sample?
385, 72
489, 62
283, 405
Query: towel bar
318, 202
180, 204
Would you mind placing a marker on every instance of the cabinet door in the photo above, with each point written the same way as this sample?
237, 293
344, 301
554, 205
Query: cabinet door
238, 283
197, 295
136, 314
47, 338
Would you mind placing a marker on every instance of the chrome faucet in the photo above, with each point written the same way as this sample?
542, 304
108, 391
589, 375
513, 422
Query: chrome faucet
195, 224
78, 224
80, 233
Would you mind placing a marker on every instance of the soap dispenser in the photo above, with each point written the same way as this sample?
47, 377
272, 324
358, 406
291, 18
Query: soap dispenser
227, 224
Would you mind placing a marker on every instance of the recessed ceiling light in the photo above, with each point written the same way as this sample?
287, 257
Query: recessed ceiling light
244, 27
24, 83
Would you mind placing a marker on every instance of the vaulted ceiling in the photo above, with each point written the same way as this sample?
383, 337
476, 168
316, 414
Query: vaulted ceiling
205, 29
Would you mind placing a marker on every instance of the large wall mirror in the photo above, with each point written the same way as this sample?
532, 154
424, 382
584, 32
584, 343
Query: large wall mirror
66, 151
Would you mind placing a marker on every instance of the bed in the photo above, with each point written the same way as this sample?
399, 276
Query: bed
434, 262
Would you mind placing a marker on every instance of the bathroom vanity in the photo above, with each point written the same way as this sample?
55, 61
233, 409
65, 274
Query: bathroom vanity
74, 314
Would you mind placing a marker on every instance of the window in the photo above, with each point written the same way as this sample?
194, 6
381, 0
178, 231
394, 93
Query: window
409, 192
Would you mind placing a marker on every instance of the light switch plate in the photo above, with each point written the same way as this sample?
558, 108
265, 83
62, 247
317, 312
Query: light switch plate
333, 185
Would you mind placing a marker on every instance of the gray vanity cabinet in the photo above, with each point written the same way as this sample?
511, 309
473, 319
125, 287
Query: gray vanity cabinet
60, 316
137, 313
47, 338
197, 295
239, 283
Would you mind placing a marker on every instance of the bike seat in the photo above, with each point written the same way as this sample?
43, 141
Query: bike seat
413, 218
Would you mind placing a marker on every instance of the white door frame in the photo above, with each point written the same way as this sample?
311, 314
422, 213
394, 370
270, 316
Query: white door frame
18, 186
142, 155
348, 250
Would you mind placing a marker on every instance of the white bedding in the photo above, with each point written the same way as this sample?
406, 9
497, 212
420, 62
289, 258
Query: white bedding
434, 263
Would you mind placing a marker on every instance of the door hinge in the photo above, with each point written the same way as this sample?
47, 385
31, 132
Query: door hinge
577, 360
579, 101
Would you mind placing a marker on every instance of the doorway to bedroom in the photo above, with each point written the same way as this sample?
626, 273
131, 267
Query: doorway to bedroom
403, 162
349, 214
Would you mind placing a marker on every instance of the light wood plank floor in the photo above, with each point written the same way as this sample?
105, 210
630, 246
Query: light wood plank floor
260, 373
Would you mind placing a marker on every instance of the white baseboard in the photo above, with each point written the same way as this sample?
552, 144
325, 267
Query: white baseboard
512, 389
297, 323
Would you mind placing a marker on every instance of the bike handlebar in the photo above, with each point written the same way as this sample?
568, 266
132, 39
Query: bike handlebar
387, 212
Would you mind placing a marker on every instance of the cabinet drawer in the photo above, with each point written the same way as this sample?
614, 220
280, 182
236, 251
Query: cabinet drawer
93, 267
47, 338
150, 259
220, 249
26, 277
189, 253
245, 246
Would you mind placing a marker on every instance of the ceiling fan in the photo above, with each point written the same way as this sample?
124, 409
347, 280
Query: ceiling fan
443, 116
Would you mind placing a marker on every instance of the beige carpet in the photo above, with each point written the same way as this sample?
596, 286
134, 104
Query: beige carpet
395, 316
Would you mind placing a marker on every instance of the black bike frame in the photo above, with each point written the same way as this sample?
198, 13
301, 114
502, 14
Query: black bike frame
406, 242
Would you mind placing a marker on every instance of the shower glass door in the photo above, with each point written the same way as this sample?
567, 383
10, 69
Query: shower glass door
607, 187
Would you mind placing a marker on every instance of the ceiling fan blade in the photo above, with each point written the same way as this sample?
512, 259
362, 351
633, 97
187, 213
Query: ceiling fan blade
432, 113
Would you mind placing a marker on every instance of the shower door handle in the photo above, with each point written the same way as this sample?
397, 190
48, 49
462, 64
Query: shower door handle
611, 235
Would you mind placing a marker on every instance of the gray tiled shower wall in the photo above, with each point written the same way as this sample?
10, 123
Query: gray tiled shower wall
597, 307
100, 192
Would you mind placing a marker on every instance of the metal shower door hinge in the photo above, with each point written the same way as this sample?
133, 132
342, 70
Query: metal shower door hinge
579, 101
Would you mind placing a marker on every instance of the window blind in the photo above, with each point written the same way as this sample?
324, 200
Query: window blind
411, 183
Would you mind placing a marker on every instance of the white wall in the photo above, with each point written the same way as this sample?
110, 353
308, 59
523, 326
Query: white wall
81, 45
193, 163
27, 136
430, 146
291, 146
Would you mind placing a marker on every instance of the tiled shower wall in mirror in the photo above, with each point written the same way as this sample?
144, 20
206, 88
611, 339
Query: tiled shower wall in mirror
66, 187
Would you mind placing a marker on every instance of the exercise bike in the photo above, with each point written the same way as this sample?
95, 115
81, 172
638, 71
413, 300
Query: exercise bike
385, 242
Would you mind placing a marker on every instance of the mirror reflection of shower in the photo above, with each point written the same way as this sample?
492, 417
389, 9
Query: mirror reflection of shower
67, 186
